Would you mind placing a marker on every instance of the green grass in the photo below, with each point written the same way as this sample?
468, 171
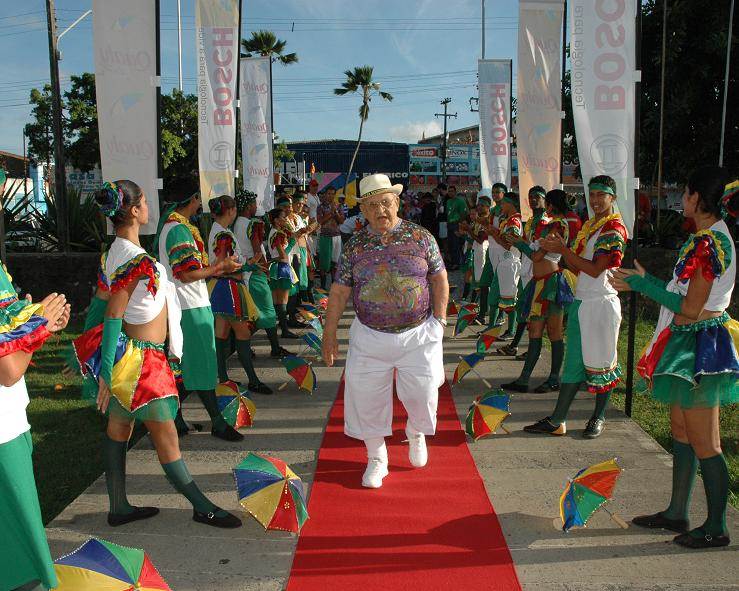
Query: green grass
654, 417
66, 431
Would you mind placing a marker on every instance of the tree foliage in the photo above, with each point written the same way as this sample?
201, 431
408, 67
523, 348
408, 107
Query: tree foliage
267, 44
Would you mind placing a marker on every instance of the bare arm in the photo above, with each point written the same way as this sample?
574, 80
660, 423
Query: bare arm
337, 299
226, 266
439, 284
555, 243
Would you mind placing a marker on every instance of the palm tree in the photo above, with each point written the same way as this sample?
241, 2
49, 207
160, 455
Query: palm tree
360, 79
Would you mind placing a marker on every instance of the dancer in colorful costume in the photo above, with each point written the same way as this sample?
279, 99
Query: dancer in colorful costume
306, 227
25, 561
183, 253
495, 252
594, 318
294, 225
480, 261
250, 233
691, 362
395, 274
126, 354
232, 304
532, 231
282, 276
545, 297
329, 240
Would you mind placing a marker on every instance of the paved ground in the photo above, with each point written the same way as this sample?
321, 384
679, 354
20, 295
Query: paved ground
523, 475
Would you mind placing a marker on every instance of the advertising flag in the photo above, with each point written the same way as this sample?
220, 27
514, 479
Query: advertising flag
539, 96
126, 83
217, 45
603, 60
494, 79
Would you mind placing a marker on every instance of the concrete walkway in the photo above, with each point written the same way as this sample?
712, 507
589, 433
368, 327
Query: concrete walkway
524, 476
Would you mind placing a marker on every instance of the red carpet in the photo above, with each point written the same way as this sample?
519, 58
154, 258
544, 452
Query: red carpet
429, 528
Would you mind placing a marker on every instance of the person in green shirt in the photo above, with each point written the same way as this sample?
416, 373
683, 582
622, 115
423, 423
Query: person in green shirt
456, 211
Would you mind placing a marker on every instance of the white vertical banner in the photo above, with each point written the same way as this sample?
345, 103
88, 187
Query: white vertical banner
256, 130
217, 41
603, 61
124, 41
539, 96
494, 80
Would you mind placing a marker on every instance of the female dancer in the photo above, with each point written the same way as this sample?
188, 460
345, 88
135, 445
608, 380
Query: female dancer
24, 327
594, 317
545, 297
691, 363
482, 271
232, 304
282, 276
126, 356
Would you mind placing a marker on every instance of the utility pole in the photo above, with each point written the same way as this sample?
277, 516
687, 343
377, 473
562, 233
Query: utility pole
660, 149
179, 42
446, 116
483, 29
60, 182
726, 83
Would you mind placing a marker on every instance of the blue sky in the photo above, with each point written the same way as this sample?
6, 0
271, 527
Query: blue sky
422, 51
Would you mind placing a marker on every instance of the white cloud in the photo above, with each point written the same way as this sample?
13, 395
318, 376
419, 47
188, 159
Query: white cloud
412, 131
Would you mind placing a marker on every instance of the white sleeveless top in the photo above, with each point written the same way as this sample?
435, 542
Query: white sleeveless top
588, 287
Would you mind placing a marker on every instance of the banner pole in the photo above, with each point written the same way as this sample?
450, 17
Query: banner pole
562, 106
237, 110
160, 162
635, 234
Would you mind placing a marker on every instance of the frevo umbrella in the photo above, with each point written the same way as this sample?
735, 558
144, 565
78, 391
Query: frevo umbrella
487, 413
467, 364
301, 371
464, 319
313, 341
587, 492
271, 492
452, 308
486, 338
237, 408
98, 565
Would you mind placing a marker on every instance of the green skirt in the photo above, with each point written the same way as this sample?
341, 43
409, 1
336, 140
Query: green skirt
326, 252
262, 296
199, 367
24, 551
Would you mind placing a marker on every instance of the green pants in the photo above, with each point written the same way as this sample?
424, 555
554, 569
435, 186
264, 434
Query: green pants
262, 296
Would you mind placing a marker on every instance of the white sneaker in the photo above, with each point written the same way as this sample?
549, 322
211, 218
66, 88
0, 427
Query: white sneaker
417, 452
375, 472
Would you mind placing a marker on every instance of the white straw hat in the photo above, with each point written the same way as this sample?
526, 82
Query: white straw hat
376, 184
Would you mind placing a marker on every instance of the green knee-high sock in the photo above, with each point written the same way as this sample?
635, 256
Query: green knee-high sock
281, 310
222, 347
532, 357
483, 303
512, 321
715, 475
601, 402
466, 290
180, 478
115, 476
208, 398
292, 306
493, 301
684, 471
179, 421
243, 350
520, 329
558, 355
567, 393
274, 342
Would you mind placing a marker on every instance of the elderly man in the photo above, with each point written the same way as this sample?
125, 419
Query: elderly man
395, 274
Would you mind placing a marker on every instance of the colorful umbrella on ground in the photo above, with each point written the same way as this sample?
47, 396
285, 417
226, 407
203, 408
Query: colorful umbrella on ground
587, 492
99, 565
470, 307
487, 413
465, 365
486, 338
308, 308
320, 292
317, 326
464, 319
237, 408
322, 303
452, 309
307, 315
313, 341
270, 491
301, 371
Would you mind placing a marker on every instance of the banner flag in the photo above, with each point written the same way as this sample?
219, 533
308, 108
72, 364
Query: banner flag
494, 80
256, 130
217, 43
126, 83
603, 61
539, 92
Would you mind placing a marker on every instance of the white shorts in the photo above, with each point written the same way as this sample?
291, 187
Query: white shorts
371, 362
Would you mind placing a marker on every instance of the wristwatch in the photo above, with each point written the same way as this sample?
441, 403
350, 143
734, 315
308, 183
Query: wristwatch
442, 321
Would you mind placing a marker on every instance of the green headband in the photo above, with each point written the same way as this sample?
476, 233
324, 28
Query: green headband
484, 198
538, 192
283, 201
600, 187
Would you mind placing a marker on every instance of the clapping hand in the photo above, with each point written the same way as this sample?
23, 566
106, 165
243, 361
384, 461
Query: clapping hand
554, 243
56, 311
618, 277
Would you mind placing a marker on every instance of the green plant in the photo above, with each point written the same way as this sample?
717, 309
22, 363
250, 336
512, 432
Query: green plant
16, 208
86, 226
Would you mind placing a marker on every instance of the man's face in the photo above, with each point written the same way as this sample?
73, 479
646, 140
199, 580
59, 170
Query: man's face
483, 208
298, 205
536, 201
381, 211
313, 188
329, 196
452, 192
498, 195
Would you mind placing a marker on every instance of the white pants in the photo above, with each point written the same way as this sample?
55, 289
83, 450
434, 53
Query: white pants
371, 362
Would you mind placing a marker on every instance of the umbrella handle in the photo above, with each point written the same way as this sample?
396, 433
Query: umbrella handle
617, 519
506, 430
473, 370
282, 386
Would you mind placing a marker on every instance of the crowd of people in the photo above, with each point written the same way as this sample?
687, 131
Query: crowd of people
177, 313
